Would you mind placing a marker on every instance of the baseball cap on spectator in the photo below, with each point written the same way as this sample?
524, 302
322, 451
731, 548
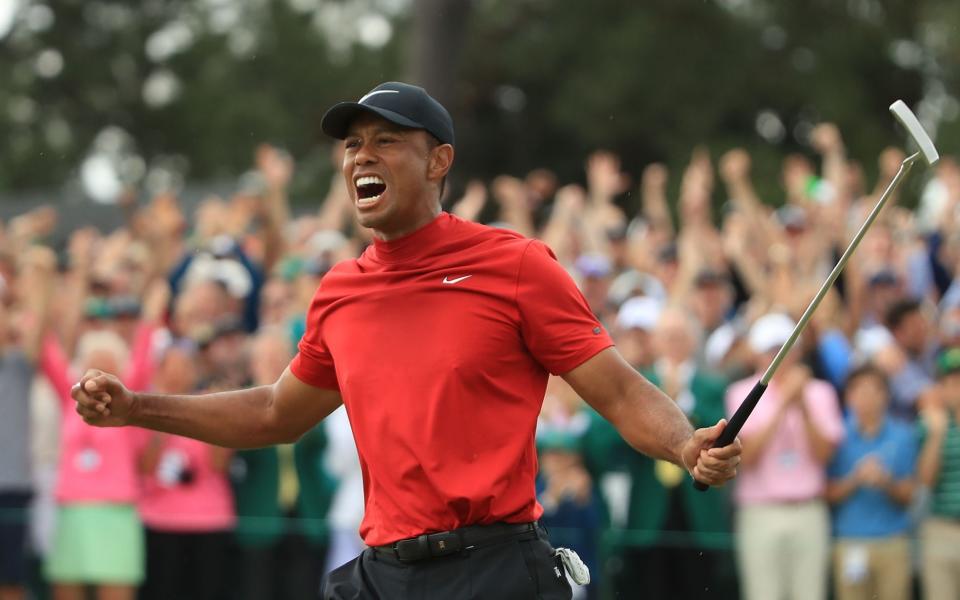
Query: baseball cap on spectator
667, 253
125, 306
632, 283
708, 276
594, 265
769, 332
868, 341
227, 271
948, 362
400, 103
792, 217
326, 240
98, 307
884, 277
640, 312
617, 233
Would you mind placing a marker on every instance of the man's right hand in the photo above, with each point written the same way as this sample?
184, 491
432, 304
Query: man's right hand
102, 400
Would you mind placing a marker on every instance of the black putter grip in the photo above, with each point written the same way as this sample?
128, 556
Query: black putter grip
735, 424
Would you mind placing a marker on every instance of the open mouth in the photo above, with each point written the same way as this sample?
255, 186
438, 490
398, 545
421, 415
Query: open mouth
369, 189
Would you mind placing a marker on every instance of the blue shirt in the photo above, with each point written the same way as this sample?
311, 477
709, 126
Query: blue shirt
871, 512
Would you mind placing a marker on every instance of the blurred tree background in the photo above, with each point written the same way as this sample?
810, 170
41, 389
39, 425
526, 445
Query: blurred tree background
156, 92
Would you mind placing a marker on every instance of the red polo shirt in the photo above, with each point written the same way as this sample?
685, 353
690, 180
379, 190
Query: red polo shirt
440, 343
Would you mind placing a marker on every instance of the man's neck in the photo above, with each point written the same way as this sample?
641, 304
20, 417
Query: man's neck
421, 221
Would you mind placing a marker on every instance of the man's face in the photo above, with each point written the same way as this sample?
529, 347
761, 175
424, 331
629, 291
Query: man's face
673, 339
867, 396
912, 331
711, 302
636, 347
391, 175
950, 390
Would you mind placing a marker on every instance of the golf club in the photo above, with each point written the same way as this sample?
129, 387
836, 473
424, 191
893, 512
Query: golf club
929, 153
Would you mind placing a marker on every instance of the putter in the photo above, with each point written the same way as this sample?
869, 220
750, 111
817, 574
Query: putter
929, 154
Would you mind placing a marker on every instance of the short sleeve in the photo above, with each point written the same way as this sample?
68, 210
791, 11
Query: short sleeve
313, 363
556, 323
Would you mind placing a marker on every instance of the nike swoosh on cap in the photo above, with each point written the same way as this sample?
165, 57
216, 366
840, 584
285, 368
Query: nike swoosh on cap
364, 99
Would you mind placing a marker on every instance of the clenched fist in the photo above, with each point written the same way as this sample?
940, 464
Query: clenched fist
709, 465
102, 400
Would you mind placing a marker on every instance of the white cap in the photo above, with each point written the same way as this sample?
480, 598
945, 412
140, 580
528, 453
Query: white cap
640, 312
769, 332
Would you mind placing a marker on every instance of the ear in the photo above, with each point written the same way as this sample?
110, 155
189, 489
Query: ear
440, 161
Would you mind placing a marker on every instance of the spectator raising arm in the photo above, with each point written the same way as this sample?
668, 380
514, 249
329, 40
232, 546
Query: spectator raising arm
653, 191
560, 230
81, 252
39, 268
276, 167
935, 419
474, 198
511, 194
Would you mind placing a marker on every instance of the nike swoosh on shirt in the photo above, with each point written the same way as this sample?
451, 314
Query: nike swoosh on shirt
364, 99
456, 280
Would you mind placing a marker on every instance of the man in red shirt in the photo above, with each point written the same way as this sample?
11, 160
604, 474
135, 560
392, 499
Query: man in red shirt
439, 340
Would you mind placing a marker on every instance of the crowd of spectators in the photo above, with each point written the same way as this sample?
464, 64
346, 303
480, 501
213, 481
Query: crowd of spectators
850, 481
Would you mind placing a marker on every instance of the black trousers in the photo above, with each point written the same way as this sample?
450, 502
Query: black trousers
287, 570
510, 570
186, 566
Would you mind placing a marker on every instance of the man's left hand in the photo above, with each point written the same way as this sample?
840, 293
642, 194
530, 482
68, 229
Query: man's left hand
709, 465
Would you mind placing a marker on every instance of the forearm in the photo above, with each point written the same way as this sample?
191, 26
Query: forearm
655, 209
78, 288
276, 215
234, 419
651, 422
519, 218
839, 490
900, 492
821, 446
928, 467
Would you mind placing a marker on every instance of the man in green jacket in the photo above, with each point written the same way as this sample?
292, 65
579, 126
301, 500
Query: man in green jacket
677, 540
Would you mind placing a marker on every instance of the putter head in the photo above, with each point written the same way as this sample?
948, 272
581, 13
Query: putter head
909, 120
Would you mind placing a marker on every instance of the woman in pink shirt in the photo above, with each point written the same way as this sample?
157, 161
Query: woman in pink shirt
99, 539
187, 503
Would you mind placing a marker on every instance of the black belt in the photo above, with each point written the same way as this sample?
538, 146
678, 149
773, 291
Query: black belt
444, 543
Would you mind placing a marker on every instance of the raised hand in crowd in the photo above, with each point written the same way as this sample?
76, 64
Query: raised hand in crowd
653, 192
474, 198
562, 227
605, 180
511, 195
38, 274
276, 167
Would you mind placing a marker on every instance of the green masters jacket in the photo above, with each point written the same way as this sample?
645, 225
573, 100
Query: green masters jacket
708, 513
256, 482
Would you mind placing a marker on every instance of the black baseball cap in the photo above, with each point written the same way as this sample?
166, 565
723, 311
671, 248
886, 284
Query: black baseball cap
401, 103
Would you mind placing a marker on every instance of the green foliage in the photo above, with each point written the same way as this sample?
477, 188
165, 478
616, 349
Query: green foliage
652, 80
540, 82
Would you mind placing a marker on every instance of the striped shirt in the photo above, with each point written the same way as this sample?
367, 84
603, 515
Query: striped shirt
946, 492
